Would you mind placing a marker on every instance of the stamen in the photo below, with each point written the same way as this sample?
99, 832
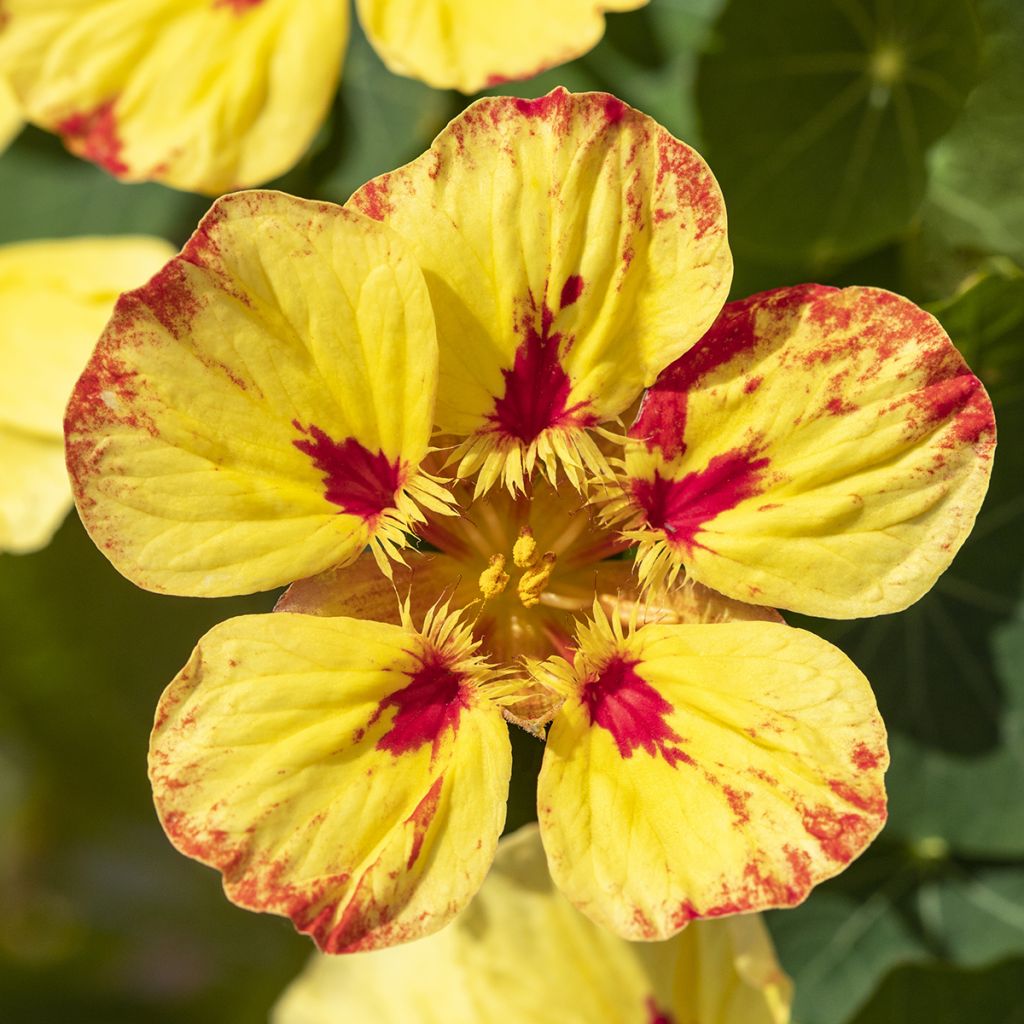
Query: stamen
494, 579
535, 579
524, 551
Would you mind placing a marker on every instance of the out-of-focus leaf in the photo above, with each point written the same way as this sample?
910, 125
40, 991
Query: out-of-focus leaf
380, 121
942, 995
99, 914
817, 118
975, 192
46, 193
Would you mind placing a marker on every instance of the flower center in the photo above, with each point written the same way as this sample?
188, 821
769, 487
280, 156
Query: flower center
530, 563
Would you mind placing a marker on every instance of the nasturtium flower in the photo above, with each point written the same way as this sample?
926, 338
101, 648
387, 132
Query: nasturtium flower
55, 297
217, 95
521, 952
452, 356
10, 115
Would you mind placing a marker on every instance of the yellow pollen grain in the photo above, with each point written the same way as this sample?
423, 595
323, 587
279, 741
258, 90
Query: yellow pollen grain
535, 579
524, 551
494, 579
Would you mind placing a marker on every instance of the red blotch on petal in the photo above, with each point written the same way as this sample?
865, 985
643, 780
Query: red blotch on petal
93, 135
429, 706
358, 481
682, 508
536, 396
732, 338
841, 836
656, 1015
633, 711
865, 759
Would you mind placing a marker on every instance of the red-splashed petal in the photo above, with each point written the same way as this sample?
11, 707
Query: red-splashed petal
204, 95
700, 771
349, 775
573, 249
820, 450
257, 412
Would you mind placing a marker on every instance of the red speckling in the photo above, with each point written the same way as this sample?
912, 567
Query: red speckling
840, 407
170, 298
571, 291
656, 1015
614, 109
841, 836
864, 759
94, 136
421, 819
358, 481
374, 198
430, 705
737, 804
873, 804
682, 508
238, 6
633, 711
752, 385
697, 195
555, 103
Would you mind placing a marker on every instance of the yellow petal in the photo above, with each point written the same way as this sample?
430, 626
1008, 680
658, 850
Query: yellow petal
257, 412
522, 953
34, 491
207, 95
349, 775
11, 119
705, 770
573, 248
825, 451
55, 297
470, 44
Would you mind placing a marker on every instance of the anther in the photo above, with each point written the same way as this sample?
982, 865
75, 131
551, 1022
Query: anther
535, 578
494, 579
524, 551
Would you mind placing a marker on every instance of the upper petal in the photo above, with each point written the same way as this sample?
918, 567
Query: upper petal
573, 248
11, 118
521, 952
820, 450
207, 95
258, 411
348, 774
704, 770
469, 44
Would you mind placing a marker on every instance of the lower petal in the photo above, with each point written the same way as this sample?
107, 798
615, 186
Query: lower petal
706, 770
349, 775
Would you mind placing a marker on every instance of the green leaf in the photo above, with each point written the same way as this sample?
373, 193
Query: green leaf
975, 195
817, 119
50, 194
941, 995
380, 121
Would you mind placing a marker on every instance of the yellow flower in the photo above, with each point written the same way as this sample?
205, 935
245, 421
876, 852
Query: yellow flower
216, 95
520, 952
54, 299
265, 408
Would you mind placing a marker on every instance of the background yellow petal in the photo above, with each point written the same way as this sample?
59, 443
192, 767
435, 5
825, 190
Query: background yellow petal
207, 95
251, 415
573, 248
34, 491
820, 450
705, 770
346, 774
54, 299
469, 44
522, 953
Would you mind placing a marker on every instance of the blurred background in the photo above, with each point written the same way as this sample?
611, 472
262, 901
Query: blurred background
875, 142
